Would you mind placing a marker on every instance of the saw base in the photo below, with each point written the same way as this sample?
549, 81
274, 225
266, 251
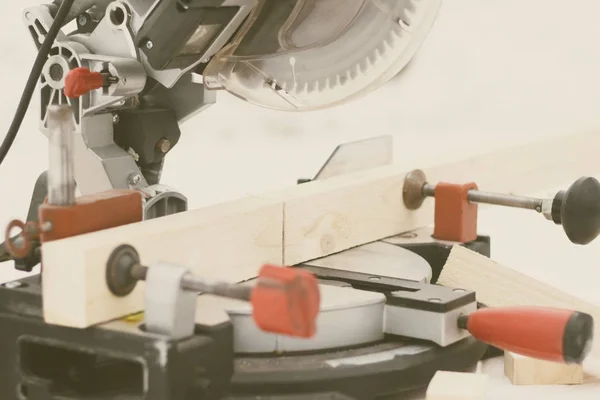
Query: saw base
119, 360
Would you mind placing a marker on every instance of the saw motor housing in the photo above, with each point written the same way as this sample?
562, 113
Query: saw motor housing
167, 58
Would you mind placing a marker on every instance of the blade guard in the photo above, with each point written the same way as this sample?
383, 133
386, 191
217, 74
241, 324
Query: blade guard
286, 301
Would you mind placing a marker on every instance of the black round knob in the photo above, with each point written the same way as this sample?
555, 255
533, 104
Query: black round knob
579, 209
119, 278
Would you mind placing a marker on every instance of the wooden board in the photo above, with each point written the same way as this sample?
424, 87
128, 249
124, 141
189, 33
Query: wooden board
499, 286
522, 370
290, 226
447, 385
332, 215
227, 242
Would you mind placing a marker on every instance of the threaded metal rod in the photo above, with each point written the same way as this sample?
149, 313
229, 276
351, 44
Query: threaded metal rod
498, 199
61, 171
194, 284
241, 292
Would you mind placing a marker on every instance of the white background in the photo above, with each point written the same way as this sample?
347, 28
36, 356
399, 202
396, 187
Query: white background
492, 72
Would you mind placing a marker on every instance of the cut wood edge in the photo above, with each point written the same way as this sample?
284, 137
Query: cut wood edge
522, 370
332, 215
309, 221
499, 286
448, 385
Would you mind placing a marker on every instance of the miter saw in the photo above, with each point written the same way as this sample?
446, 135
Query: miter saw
113, 93
365, 323
133, 70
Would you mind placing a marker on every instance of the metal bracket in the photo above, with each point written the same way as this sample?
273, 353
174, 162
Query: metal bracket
413, 309
162, 201
358, 156
170, 310
355, 157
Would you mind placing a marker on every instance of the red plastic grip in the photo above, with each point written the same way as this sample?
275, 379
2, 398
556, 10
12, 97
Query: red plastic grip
543, 333
286, 301
80, 81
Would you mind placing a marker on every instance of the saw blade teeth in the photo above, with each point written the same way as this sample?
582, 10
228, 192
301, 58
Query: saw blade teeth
305, 87
364, 65
397, 33
387, 46
315, 86
348, 76
377, 55
338, 81
358, 70
410, 13
373, 57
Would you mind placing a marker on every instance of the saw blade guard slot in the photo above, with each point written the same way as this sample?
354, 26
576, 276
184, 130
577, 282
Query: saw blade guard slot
300, 55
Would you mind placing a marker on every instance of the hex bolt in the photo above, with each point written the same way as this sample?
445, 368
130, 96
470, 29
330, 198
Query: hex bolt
13, 285
577, 209
135, 179
82, 19
163, 145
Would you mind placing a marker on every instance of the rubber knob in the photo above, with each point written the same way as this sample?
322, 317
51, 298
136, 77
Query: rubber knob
286, 301
80, 81
579, 208
544, 333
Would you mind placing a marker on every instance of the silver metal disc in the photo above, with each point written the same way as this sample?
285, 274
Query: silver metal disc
379, 258
348, 317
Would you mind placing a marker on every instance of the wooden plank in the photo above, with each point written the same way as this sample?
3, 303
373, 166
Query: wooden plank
522, 370
290, 226
447, 385
325, 217
499, 286
227, 242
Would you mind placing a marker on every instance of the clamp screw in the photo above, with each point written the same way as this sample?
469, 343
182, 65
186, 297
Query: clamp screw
116, 118
284, 300
577, 209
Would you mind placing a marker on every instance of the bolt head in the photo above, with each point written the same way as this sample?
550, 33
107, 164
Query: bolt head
135, 179
163, 145
82, 20
412, 191
13, 285
149, 44
116, 118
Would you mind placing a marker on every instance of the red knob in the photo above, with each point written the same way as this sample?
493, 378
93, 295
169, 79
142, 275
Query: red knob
286, 301
544, 333
80, 81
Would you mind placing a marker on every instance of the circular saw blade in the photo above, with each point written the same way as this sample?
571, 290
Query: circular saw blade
370, 42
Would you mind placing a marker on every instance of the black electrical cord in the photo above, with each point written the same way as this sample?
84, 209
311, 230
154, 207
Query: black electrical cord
34, 76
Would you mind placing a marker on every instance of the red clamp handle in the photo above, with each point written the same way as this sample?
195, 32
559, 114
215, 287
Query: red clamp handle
544, 333
80, 81
286, 301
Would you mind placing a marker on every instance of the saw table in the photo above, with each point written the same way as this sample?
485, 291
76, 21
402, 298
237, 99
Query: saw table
236, 359
382, 322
